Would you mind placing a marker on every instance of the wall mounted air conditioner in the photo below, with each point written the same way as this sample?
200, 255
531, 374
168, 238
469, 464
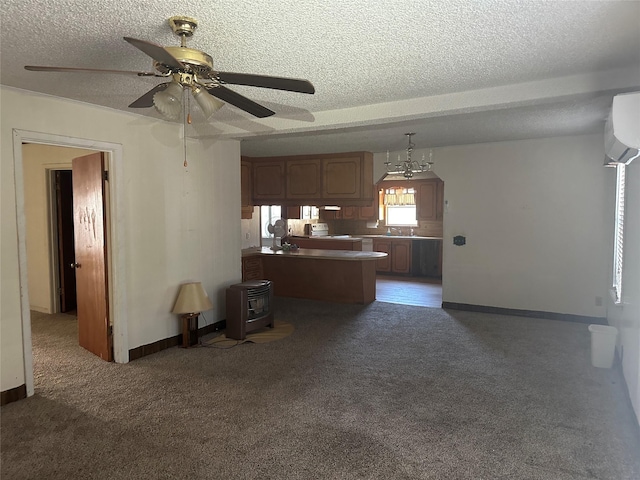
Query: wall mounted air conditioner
622, 130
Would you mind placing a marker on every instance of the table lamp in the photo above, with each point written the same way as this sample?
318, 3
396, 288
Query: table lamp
191, 301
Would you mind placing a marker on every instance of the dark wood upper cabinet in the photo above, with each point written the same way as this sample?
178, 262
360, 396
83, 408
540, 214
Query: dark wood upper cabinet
429, 199
344, 179
304, 179
268, 182
245, 189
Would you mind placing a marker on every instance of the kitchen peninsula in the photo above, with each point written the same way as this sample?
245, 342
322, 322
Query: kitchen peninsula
342, 276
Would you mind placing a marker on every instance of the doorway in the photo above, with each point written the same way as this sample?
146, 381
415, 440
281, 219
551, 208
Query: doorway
69, 268
417, 291
62, 222
117, 280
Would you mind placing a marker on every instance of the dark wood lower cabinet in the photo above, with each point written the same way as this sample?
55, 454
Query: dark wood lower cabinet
326, 279
401, 256
383, 265
398, 252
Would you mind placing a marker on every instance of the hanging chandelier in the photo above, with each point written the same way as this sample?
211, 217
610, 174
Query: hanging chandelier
408, 167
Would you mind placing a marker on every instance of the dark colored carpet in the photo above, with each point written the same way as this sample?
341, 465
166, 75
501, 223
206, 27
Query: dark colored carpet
381, 391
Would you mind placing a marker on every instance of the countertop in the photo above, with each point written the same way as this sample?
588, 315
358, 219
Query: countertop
351, 238
316, 253
358, 237
410, 237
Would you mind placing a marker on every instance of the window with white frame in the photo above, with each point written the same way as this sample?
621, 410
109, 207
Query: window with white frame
268, 215
400, 206
618, 240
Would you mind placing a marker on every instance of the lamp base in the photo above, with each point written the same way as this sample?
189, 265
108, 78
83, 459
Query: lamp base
190, 329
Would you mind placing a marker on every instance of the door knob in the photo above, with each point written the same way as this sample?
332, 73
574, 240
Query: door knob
75, 265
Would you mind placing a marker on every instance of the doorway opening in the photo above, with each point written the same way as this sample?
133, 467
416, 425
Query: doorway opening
117, 281
416, 291
63, 242
69, 267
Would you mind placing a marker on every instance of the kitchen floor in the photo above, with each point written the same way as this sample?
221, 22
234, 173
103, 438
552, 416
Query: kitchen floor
419, 291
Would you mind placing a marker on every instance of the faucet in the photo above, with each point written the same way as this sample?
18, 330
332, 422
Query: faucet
398, 230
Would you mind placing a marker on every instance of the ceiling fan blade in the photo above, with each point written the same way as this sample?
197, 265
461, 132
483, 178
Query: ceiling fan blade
146, 100
157, 52
240, 101
264, 81
36, 68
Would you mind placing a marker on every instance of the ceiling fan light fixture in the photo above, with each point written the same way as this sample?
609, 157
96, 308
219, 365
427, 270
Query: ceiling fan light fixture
186, 66
168, 102
207, 102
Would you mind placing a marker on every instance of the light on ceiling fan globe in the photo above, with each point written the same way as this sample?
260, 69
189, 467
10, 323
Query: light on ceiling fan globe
168, 101
207, 102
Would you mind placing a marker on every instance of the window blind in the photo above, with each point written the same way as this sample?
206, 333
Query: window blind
618, 241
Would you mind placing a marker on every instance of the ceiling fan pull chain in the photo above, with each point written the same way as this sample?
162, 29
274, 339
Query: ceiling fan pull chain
186, 118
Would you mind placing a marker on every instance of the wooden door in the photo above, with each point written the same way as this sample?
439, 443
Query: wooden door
303, 179
349, 213
66, 251
369, 212
383, 245
268, 182
401, 256
294, 212
426, 207
91, 255
245, 190
440, 200
342, 178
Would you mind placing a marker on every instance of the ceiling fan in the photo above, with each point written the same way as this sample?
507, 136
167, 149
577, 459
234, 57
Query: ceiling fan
191, 69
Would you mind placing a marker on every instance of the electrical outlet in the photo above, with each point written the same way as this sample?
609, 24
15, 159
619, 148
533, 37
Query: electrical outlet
246, 236
598, 301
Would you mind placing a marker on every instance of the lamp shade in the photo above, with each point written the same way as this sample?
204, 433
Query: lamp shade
169, 101
192, 299
207, 102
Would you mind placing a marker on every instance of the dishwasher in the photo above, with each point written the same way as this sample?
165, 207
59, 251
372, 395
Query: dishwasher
367, 244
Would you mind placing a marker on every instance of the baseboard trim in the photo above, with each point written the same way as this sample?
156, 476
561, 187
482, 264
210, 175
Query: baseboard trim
155, 347
566, 317
13, 394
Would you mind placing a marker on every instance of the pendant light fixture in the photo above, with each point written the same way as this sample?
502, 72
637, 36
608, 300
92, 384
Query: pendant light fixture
409, 166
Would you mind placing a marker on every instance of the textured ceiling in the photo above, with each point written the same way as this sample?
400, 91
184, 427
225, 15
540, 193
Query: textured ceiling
454, 72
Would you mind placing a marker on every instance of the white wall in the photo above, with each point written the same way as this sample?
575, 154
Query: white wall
177, 226
538, 234
536, 220
626, 317
251, 230
37, 160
